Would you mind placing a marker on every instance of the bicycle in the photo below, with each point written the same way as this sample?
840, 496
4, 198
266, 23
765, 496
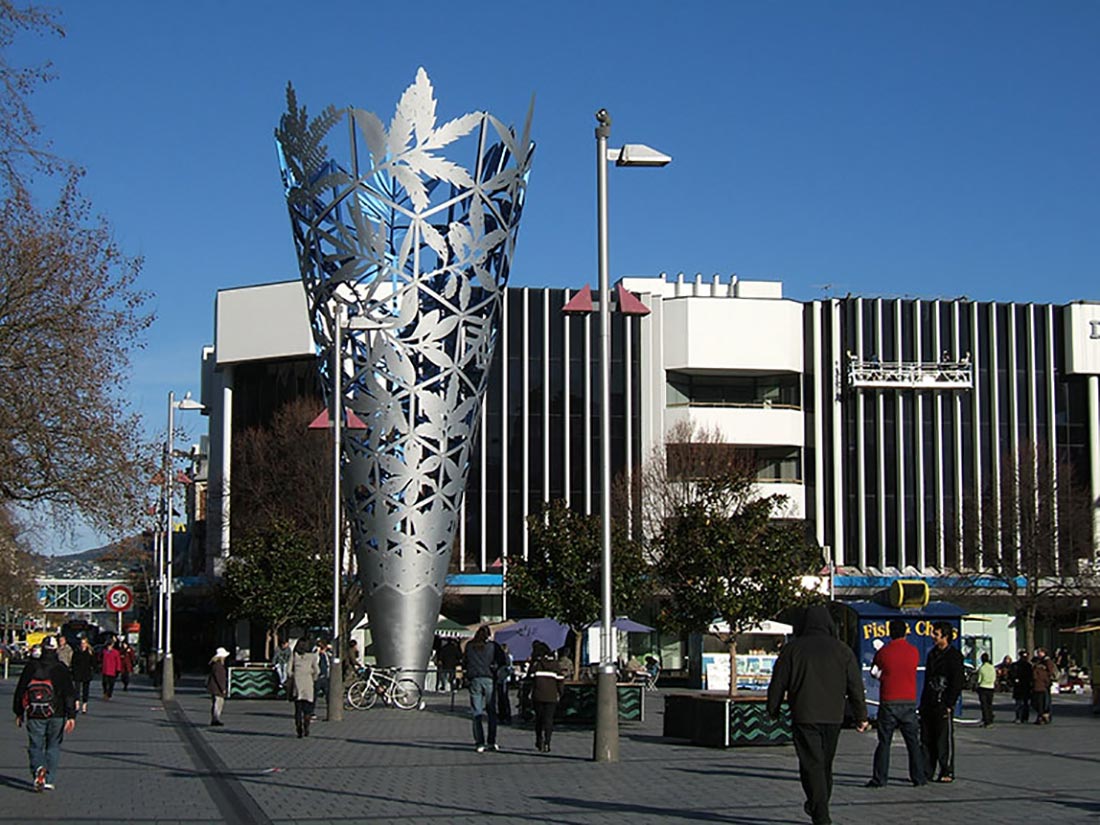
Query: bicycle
375, 682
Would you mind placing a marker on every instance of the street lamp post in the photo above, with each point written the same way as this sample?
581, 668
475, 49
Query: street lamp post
168, 673
606, 745
335, 676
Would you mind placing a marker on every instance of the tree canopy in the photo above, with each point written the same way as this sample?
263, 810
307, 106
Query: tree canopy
561, 576
722, 551
276, 578
71, 314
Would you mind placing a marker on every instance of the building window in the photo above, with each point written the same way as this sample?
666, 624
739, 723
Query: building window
696, 461
684, 390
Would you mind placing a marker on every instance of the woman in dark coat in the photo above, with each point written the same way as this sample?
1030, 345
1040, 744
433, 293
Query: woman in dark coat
217, 685
547, 680
83, 666
1021, 676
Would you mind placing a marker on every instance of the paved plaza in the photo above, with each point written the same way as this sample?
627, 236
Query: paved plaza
135, 760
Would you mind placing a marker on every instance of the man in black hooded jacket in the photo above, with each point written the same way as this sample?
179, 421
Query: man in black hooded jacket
816, 673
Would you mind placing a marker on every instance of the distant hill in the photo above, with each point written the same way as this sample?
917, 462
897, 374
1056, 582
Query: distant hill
97, 563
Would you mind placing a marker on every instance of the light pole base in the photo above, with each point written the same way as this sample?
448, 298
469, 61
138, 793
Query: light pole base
167, 679
606, 747
335, 692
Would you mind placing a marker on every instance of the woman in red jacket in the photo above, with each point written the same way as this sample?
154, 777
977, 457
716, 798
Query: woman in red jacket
112, 666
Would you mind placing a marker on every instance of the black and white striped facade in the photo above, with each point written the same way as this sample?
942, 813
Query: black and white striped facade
916, 405
874, 416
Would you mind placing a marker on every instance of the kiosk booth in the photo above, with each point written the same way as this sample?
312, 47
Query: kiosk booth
864, 627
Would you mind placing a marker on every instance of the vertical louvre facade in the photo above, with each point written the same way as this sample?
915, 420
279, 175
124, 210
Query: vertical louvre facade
539, 438
900, 465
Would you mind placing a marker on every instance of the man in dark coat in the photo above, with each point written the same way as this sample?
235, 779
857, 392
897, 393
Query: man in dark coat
816, 673
46, 722
1021, 677
943, 682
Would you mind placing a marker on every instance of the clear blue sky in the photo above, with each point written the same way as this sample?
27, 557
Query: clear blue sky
932, 149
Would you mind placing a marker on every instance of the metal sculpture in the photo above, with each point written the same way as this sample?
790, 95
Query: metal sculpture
416, 248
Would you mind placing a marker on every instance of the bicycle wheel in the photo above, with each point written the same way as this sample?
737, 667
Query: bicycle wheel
406, 694
361, 695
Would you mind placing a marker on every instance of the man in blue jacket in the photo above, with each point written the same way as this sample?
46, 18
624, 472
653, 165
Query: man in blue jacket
816, 672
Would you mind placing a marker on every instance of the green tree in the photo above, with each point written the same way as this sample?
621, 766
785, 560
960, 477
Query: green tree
276, 578
723, 555
560, 578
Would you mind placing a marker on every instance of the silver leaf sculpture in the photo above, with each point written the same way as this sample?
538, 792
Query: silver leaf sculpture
416, 248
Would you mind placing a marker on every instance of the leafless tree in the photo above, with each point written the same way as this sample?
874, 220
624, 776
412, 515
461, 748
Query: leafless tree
1025, 536
70, 315
22, 147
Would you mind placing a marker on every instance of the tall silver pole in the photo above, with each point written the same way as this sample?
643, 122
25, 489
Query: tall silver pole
168, 673
158, 555
606, 748
335, 677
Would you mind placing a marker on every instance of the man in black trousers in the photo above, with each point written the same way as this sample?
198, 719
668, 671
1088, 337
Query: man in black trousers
943, 682
816, 672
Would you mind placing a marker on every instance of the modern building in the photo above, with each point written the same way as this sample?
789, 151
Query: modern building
886, 422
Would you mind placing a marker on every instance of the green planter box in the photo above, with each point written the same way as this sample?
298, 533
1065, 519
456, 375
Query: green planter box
254, 683
578, 703
717, 721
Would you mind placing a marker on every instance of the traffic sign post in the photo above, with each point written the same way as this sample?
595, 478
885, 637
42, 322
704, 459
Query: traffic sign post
119, 599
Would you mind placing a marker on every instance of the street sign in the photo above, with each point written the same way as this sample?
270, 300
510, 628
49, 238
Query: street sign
120, 598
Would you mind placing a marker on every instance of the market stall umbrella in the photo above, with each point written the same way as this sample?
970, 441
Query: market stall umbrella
524, 633
625, 625
450, 629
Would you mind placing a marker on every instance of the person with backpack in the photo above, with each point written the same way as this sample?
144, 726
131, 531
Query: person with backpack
45, 704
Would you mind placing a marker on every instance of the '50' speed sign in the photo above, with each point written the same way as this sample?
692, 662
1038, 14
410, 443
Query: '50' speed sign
119, 598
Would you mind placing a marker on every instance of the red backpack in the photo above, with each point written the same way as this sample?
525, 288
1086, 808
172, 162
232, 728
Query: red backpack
38, 697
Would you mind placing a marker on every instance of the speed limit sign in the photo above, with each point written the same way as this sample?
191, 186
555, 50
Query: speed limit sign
119, 598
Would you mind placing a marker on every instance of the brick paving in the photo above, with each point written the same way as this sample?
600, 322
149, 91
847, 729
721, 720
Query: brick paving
134, 760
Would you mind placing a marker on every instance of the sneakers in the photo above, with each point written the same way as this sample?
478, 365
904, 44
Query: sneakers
495, 747
480, 749
40, 779
49, 786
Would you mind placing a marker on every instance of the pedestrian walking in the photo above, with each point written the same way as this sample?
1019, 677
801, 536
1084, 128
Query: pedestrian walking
303, 675
1022, 678
352, 664
816, 674
482, 658
447, 661
503, 682
324, 662
83, 668
217, 685
987, 684
126, 662
896, 665
64, 652
943, 682
45, 704
547, 683
1043, 675
281, 661
111, 667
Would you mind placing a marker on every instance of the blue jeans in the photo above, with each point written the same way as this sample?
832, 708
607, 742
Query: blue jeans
44, 744
481, 703
898, 716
